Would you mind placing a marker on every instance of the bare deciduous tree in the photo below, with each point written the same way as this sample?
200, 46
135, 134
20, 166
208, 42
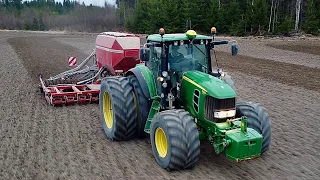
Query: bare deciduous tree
298, 5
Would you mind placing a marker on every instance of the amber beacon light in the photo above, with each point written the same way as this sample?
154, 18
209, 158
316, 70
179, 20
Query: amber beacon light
213, 30
161, 31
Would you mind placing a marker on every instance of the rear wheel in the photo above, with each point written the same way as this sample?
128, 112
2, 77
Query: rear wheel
117, 108
257, 119
175, 140
143, 106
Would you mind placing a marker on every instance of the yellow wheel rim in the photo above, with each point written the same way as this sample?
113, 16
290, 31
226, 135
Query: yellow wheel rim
107, 110
161, 142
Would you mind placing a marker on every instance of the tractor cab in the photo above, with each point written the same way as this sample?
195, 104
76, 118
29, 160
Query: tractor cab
177, 53
170, 56
181, 52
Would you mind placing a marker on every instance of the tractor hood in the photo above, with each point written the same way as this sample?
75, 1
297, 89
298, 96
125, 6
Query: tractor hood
208, 84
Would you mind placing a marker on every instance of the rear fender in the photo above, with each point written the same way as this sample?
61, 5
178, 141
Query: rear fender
145, 79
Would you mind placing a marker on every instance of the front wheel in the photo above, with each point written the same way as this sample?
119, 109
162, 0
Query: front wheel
257, 119
175, 140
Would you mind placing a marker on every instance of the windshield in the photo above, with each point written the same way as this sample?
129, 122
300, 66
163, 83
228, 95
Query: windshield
188, 57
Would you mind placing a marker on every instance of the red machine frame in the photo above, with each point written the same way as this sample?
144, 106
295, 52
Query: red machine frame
115, 52
70, 94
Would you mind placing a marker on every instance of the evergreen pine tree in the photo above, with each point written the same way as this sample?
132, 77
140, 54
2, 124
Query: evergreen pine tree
42, 26
35, 25
312, 24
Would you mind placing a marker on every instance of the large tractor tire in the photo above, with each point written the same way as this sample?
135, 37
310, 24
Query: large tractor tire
117, 108
175, 140
257, 119
143, 106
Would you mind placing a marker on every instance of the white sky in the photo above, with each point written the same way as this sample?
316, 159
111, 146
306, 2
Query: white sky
93, 2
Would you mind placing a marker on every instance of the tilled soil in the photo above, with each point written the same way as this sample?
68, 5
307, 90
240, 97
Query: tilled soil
39, 141
42, 55
288, 50
286, 73
305, 47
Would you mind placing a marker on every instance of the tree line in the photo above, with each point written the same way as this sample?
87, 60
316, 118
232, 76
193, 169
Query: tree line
50, 15
234, 17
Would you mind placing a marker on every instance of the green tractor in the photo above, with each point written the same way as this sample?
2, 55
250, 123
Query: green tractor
177, 100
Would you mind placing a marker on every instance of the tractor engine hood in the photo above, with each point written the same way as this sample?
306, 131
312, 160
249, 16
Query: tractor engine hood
207, 84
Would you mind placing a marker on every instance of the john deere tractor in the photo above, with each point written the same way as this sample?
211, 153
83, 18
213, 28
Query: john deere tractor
176, 99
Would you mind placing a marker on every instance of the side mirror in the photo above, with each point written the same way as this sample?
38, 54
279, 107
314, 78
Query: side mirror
144, 54
234, 48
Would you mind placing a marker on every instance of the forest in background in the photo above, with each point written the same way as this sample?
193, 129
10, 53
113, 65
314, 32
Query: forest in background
234, 17
51, 15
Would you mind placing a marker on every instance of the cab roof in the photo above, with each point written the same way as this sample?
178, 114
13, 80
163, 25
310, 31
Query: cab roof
174, 37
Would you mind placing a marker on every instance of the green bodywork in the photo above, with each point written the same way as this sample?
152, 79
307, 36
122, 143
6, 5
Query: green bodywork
231, 136
243, 146
150, 80
207, 85
237, 144
211, 85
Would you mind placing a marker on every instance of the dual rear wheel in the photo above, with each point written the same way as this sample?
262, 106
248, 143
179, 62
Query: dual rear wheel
123, 108
124, 111
117, 108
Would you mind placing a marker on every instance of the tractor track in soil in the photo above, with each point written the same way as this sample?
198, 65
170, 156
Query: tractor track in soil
39, 141
305, 47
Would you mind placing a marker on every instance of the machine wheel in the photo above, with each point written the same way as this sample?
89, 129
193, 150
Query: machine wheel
117, 109
143, 106
258, 119
175, 140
